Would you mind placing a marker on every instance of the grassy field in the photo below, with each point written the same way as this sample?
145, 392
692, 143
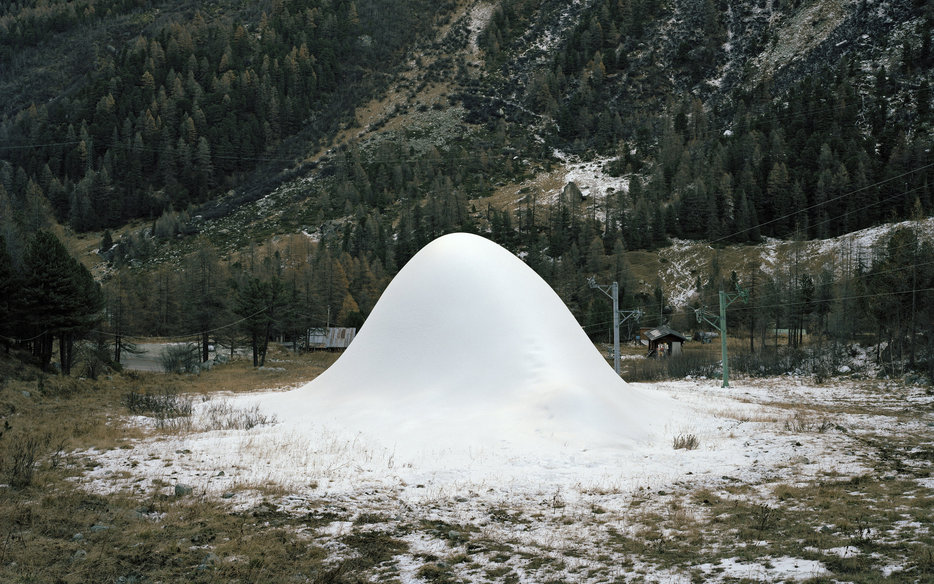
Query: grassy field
862, 516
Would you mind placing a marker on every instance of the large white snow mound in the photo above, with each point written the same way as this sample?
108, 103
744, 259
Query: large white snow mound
469, 347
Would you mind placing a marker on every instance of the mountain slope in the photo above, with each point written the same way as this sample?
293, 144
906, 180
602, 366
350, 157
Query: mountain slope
376, 126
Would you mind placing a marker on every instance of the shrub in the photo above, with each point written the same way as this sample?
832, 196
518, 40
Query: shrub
223, 416
183, 358
164, 405
676, 367
821, 362
685, 442
20, 455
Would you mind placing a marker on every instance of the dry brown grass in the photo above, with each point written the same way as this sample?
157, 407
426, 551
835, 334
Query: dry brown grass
283, 369
51, 531
685, 442
77, 414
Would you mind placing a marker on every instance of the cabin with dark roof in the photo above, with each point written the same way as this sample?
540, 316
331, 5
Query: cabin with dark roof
663, 341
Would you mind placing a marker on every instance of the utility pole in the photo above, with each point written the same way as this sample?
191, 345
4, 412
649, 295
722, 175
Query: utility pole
704, 315
613, 292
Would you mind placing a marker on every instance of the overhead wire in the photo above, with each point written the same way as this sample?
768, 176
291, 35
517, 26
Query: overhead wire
789, 115
831, 200
192, 334
809, 113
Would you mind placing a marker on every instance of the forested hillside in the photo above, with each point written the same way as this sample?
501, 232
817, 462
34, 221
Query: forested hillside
195, 140
179, 114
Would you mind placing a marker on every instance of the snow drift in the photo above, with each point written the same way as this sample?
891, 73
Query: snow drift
469, 347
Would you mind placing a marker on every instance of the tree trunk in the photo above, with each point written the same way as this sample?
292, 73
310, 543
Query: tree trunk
65, 345
752, 331
42, 348
265, 346
204, 347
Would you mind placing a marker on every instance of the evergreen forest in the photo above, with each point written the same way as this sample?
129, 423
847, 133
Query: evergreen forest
166, 131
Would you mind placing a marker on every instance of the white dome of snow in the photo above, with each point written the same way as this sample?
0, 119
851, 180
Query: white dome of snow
467, 347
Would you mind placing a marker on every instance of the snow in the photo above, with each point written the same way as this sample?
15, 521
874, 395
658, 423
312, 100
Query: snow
681, 261
740, 435
471, 392
778, 569
480, 15
591, 178
745, 439
861, 243
468, 348
840, 252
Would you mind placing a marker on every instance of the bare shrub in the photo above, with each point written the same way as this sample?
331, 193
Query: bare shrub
166, 404
20, 455
763, 517
223, 415
676, 367
801, 422
685, 442
184, 358
169, 410
821, 362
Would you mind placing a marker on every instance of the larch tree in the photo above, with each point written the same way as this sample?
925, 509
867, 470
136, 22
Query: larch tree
8, 296
205, 291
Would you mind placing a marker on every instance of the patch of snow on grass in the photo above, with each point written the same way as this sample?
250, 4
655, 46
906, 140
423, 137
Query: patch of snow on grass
480, 15
681, 257
436, 414
509, 490
738, 438
784, 568
591, 178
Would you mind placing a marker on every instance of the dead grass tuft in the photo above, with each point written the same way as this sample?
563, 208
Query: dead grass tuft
801, 422
685, 442
51, 531
222, 415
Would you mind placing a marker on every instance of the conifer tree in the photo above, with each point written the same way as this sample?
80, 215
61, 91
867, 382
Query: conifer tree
60, 298
8, 295
205, 293
259, 302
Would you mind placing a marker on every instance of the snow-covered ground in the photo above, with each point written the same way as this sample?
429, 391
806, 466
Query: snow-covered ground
740, 432
684, 260
472, 417
756, 433
591, 178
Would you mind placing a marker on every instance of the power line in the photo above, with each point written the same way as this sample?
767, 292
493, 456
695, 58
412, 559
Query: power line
831, 200
33, 146
816, 301
189, 335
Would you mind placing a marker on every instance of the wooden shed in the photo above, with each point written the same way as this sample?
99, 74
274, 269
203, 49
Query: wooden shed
664, 341
330, 339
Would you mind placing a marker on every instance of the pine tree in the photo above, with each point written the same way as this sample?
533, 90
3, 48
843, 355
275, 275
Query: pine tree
205, 293
259, 302
60, 298
9, 288
779, 196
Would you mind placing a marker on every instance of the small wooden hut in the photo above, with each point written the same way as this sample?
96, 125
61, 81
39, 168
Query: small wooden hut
664, 341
